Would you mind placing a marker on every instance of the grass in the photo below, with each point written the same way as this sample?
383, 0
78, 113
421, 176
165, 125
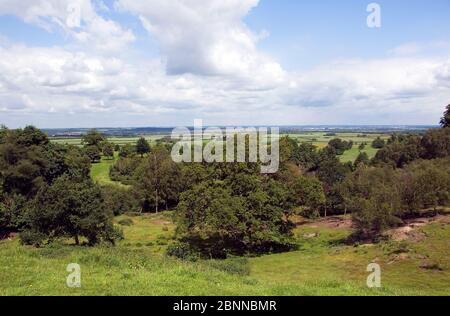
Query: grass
100, 171
138, 266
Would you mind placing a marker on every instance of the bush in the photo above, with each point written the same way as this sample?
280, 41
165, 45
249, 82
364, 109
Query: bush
32, 238
119, 200
182, 251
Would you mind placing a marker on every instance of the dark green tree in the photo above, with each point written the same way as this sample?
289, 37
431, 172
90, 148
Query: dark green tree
378, 143
69, 208
308, 193
362, 158
142, 146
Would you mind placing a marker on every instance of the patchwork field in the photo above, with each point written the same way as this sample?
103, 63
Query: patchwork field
319, 139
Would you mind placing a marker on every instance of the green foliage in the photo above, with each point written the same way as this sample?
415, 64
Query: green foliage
142, 146
119, 200
70, 208
94, 153
306, 156
436, 143
308, 193
183, 251
127, 151
340, 146
362, 159
124, 170
218, 219
108, 150
374, 198
445, 120
378, 143
379, 198
158, 181
93, 138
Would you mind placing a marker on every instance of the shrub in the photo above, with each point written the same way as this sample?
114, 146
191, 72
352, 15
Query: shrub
182, 251
32, 238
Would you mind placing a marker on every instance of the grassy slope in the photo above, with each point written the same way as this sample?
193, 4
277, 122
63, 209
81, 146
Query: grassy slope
137, 266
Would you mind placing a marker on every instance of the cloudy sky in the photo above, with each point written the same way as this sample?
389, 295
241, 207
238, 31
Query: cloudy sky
228, 62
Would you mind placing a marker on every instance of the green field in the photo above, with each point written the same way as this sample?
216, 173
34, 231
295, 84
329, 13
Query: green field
318, 139
322, 265
115, 140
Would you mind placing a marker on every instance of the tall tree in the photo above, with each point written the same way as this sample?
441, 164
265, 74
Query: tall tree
158, 180
142, 146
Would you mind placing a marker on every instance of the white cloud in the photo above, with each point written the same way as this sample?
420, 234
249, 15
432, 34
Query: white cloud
211, 68
206, 37
94, 31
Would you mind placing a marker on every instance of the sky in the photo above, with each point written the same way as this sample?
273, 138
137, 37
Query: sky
130, 63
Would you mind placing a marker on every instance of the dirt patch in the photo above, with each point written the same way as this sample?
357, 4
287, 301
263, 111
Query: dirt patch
411, 232
329, 222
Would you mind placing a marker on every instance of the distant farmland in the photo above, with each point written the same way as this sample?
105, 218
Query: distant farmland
319, 139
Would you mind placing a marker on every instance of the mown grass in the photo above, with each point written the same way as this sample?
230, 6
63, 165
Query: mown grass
322, 265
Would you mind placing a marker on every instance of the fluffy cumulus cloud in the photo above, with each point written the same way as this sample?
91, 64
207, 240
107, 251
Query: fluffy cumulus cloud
205, 37
76, 18
210, 67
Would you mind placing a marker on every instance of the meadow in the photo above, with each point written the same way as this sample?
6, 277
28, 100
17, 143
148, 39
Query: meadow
322, 265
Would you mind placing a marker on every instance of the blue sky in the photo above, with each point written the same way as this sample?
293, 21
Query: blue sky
228, 62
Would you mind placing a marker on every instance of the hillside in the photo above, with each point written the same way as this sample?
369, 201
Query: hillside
323, 264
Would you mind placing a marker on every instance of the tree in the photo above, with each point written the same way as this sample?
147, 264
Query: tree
69, 208
362, 158
445, 120
127, 151
158, 180
378, 143
93, 138
216, 222
373, 195
308, 192
340, 146
436, 143
93, 152
142, 146
108, 150
362, 146
306, 156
